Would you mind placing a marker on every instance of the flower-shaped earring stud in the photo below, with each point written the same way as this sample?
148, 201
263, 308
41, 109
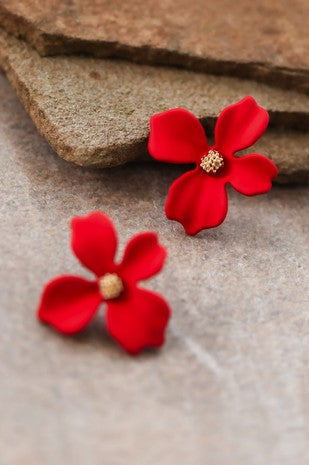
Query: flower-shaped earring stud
198, 199
136, 318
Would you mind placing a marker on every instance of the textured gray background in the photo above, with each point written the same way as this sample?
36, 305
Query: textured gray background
228, 388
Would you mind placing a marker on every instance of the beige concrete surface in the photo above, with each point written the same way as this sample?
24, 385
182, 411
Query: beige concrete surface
228, 388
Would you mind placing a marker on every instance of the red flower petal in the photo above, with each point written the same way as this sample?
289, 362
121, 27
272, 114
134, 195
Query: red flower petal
239, 126
177, 136
252, 174
137, 320
68, 303
94, 242
197, 200
143, 257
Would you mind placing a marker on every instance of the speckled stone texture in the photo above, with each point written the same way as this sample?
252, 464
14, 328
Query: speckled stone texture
96, 112
260, 39
229, 387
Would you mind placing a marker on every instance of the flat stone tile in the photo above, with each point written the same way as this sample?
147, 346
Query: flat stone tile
96, 112
263, 40
229, 387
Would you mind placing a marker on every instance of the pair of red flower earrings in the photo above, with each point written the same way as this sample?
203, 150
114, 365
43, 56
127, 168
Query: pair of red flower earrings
137, 318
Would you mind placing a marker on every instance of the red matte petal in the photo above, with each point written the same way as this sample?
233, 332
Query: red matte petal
239, 126
94, 242
252, 174
138, 320
177, 136
143, 257
68, 303
197, 200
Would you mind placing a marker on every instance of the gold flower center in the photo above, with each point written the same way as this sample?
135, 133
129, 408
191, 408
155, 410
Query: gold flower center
212, 161
110, 286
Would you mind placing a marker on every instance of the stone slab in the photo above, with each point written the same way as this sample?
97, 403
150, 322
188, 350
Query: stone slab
96, 112
229, 387
263, 40
289, 150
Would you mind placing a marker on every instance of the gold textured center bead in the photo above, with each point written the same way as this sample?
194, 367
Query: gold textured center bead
110, 286
212, 161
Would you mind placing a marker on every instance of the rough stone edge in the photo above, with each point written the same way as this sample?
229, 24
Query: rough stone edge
52, 44
114, 155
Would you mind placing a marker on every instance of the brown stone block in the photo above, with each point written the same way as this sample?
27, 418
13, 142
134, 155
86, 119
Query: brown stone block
261, 39
96, 112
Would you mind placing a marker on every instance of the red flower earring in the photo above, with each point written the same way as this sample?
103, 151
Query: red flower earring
198, 199
135, 317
